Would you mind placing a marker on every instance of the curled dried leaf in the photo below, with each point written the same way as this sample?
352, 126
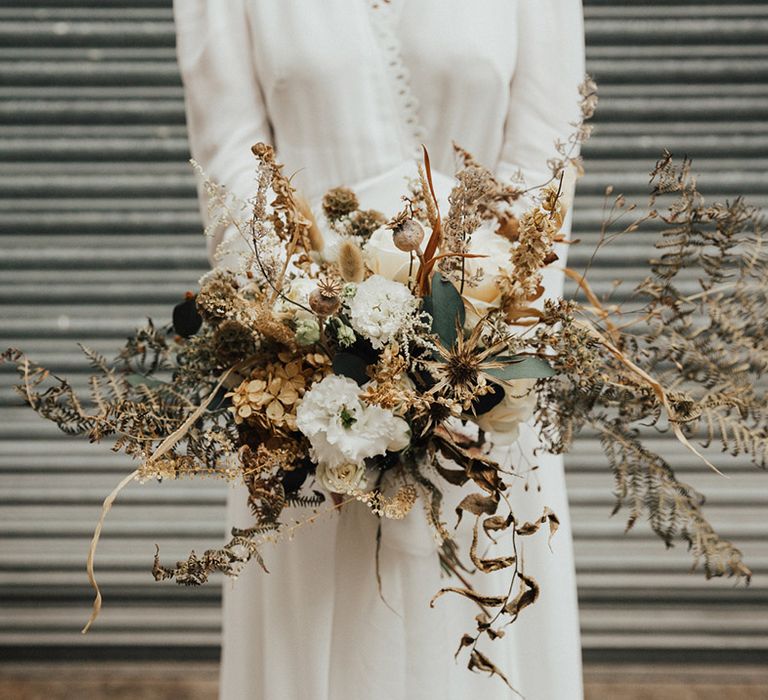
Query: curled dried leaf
477, 504
467, 640
497, 523
491, 601
530, 528
486, 565
527, 595
480, 663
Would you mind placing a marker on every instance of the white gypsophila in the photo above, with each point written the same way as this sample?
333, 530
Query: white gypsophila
381, 309
342, 429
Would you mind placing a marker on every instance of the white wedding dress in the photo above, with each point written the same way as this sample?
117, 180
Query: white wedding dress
346, 90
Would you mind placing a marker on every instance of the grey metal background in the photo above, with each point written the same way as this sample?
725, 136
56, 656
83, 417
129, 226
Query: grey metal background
99, 228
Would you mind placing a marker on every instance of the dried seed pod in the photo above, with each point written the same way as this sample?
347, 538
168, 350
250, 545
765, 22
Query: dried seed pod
364, 223
408, 236
233, 342
186, 318
407, 233
323, 304
351, 265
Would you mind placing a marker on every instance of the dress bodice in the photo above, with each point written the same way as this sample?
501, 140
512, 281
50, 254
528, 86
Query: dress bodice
348, 89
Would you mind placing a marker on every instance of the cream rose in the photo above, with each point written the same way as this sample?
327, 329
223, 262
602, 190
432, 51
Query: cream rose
298, 292
504, 419
384, 259
341, 478
481, 298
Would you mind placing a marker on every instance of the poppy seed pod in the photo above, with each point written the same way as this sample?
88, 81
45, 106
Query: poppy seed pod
323, 304
408, 235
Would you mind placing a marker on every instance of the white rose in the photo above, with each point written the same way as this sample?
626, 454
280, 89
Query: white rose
401, 435
480, 299
504, 419
383, 258
343, 478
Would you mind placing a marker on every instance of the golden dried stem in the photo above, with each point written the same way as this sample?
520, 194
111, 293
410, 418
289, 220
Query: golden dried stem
162, 448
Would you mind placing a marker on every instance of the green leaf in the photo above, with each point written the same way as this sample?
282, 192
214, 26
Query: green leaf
521, 368
348, 365
136, 379
446, 308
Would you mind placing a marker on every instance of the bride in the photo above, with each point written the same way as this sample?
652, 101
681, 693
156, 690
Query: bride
346, 91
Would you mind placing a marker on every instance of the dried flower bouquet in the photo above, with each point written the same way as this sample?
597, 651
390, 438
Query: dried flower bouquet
381, 368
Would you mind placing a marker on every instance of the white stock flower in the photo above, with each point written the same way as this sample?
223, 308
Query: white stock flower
343, 430
504, 419
380, 309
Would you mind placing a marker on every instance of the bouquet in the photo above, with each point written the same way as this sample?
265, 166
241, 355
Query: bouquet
382, 367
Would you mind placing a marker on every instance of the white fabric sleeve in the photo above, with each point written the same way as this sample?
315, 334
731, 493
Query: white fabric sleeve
544, 105
225, 108
543, 101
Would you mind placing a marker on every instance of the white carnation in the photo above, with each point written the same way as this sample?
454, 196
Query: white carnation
381, 309
343, 430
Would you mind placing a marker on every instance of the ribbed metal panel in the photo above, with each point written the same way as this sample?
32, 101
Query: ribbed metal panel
99, 229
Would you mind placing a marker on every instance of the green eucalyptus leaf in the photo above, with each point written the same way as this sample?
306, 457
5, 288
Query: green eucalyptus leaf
521, 368
446, 307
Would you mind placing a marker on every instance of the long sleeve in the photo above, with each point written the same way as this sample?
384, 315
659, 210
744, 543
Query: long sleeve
225, 108
543, 100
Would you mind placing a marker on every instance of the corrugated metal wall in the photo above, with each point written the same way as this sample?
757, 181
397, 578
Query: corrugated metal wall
99, 228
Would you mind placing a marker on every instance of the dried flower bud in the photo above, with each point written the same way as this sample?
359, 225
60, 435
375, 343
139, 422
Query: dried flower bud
408, 236
233, 342
339, 202
307, 331
351, 265
323, 304
364, 223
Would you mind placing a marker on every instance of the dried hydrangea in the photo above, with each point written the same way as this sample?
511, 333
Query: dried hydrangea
270, 396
